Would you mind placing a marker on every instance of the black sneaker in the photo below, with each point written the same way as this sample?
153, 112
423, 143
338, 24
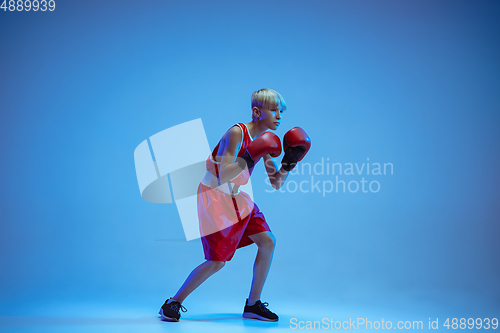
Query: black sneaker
259, 311
170, 311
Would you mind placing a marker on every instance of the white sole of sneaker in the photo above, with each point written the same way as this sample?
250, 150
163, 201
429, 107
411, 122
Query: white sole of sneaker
251, 315
163, 317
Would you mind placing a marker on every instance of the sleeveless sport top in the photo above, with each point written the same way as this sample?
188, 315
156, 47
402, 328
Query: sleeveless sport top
213, 166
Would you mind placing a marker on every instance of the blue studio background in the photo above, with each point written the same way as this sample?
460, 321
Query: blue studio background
412, 83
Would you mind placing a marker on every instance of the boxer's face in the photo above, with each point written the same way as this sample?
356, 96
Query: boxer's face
271, 116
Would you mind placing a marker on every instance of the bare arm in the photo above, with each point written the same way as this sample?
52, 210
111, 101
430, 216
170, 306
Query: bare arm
229, 169
277, 178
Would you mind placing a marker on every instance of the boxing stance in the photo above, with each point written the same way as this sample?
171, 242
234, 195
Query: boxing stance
229, 219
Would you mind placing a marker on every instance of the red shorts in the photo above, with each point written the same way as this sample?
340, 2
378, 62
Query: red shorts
216, 208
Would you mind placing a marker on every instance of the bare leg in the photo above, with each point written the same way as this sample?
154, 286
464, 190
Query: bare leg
197, 277
266, 242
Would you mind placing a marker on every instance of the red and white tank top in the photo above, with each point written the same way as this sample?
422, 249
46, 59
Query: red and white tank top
213, 165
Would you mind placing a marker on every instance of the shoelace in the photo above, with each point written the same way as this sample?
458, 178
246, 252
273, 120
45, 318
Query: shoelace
176, 306
263, 307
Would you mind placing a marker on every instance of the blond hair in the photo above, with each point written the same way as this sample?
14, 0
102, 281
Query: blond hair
268, 98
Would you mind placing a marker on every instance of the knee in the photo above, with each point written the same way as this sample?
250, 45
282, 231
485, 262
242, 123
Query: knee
268, 243
216, 266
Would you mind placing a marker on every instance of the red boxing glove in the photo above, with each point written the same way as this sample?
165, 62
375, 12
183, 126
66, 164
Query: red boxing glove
267, 143
296, 144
